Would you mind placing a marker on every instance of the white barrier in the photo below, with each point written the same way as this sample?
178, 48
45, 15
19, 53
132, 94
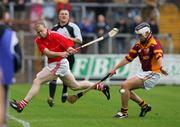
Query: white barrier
172, 64
96, 66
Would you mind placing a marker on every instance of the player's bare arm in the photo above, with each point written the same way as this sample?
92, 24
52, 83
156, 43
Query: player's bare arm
120, 64
163, 71
52, 54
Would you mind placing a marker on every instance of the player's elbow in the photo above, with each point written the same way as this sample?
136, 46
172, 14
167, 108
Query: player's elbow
79, 41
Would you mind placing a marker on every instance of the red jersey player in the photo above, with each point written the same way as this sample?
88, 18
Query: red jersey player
150, 54
56, 47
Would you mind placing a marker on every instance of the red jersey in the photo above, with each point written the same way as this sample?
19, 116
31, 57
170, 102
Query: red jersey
148, 54
54, 42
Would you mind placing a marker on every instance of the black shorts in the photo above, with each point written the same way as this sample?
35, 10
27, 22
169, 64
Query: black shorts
71, 60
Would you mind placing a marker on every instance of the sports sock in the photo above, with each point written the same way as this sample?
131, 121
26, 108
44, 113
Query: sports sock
52, 88
99, 87
64, 89
22, 104
124, 111
142, 104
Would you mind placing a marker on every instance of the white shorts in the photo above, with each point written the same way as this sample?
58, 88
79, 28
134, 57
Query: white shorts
59, 68
150, 78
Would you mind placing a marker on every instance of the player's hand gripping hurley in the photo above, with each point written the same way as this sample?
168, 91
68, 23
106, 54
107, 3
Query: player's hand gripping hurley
110, 34
73, 98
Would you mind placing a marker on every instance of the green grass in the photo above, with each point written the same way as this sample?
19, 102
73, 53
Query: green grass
93, 110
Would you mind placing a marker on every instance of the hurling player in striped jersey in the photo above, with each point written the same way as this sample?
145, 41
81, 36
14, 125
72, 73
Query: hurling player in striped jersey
150, 54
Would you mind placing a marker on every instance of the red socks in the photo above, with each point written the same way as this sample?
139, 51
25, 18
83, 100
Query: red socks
99, 86
22, 104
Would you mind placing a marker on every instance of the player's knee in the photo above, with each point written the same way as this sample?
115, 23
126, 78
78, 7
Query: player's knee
37, 81
124, 86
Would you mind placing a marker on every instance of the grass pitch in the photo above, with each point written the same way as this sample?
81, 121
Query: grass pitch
93, 110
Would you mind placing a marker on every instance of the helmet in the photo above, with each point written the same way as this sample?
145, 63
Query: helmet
143, 29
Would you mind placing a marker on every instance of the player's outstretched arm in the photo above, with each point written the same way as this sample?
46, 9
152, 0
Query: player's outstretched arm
163, 71
120, 64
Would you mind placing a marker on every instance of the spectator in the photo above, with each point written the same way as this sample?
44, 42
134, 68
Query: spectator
63, 4
48, 13
87, 28
36, 11
48, 10
101, 10
8, 47
101, 28
121, 41
72, 19
20, 14
154, 26
137, 20
20, 9
98, 10
150, 11
5, 4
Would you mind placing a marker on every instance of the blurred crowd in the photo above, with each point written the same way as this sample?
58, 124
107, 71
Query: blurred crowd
98, 20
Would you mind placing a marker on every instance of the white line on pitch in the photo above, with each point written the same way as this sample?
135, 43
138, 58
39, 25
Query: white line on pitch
24, 123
